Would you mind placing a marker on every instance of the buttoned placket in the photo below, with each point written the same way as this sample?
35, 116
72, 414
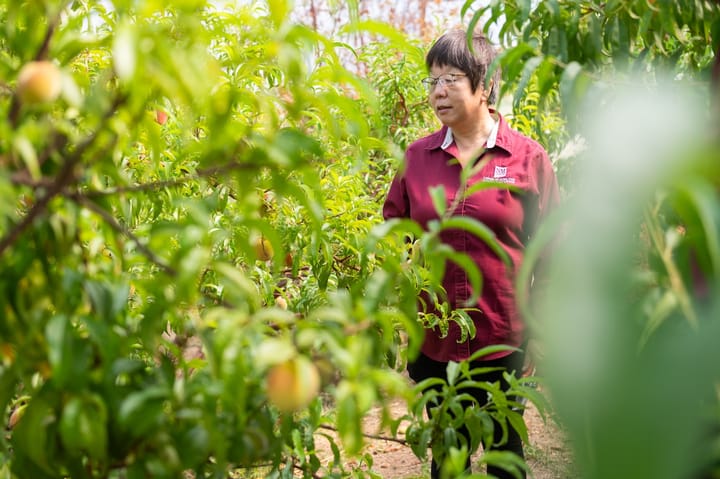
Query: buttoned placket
461, 282
461, 238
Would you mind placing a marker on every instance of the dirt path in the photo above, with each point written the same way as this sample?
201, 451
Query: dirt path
547, 454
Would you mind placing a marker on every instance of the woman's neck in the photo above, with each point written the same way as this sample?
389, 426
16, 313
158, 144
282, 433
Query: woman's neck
471, 137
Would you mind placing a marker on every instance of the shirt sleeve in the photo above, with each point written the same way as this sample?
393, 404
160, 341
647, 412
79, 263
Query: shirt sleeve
547, 200
396, 203
549, 192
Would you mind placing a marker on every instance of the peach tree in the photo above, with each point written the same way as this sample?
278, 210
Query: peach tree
195, 277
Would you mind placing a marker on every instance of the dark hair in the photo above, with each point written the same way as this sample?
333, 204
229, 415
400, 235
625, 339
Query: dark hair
452, 49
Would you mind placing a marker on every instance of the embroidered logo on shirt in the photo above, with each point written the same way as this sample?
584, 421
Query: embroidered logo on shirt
500, 172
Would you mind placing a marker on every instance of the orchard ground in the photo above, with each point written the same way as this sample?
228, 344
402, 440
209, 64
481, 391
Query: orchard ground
548, 454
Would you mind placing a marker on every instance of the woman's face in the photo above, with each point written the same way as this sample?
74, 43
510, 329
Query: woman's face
454, 102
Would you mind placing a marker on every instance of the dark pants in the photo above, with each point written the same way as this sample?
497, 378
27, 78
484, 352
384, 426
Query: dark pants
424, 368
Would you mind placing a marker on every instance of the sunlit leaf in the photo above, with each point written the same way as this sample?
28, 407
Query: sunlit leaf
124, 53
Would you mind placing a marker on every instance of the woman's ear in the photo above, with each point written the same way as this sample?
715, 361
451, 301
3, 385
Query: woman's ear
488, 92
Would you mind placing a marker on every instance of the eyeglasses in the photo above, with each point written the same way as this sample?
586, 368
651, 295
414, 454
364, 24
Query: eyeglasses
448, 80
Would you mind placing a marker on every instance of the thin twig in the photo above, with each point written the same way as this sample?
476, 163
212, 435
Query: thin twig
300, 468
42, 52
114, 224
403, 104
674, 276
371, 436
158, 185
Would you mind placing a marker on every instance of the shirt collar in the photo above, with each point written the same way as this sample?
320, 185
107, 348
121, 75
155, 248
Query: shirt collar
490, 143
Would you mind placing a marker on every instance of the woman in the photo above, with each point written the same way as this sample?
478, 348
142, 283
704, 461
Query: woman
474, 135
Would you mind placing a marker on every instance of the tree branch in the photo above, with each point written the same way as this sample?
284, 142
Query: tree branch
300, 468
371, 436
64, 178
157, 185
42, 52
114, 224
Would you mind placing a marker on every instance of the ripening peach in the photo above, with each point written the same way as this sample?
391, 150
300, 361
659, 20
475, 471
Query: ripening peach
281, 302
264, 249
161, 116
39, 82
293, 384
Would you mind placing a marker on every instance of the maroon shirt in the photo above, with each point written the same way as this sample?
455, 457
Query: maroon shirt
513, 217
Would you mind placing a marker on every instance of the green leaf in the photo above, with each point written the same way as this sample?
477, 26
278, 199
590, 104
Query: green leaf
194, 446
470, 267
703, 197
479, 230
453, 369
567, 86
376, 290
490, 350
273, 351
27, 152
7, 386
553, 7
69, 357
546, 77
467, 5
505, 459
142, 411
107, 300
124, 53
83, 427
477, 16
518, 423
385, 229
661, 310
396, 38
530, 66
348, 418
291, 147
525, 7
31, 436
439, 200
278, 11
512, 60
237, 285
463, 319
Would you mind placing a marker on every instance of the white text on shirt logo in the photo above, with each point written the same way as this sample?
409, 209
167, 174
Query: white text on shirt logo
500, 172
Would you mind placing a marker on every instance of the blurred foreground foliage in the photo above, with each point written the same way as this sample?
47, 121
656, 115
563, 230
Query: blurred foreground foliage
631, 311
